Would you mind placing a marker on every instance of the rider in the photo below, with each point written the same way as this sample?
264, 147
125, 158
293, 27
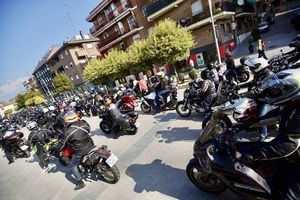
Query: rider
260, 72
76, 136
114, 112
207, 89
161, 89
230, 65
283, 91
214, 72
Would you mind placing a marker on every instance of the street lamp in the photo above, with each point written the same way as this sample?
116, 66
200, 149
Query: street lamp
214, 30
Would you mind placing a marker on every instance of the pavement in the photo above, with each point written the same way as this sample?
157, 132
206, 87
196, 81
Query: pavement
152, 162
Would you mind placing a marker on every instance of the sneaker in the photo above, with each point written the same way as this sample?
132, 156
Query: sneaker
11, 161
80, 185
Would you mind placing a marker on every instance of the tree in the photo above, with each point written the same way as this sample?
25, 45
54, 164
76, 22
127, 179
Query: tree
20, 101
34, 98
169, 43
62, 83
8, 112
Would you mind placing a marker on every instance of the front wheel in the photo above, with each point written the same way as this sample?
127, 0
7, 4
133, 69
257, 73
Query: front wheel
108, 174
145, 108
104, 127
133, 130
181, 110
243, 77
202, 180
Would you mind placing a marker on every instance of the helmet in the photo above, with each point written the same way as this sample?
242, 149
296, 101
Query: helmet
227, 53
209, 66
52, 108
283, 87
205, 74
257, 64
161, 74
31, 125
72, 104
107, 101
45, 110
242, 60
70, 117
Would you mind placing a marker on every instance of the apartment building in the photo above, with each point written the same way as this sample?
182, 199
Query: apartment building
117, 23
70, 58
30, 84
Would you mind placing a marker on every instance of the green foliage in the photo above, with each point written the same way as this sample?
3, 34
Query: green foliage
62, 83
8, 112
181, 77
193, 74
34, 98
168, 44
255, 34
20, 101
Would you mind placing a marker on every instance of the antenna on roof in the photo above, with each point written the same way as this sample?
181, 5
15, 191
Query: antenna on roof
70, 18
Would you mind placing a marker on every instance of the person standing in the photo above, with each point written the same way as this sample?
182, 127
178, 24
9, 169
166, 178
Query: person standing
261, 49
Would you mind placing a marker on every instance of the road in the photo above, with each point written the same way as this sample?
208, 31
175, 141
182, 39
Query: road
279, 37
152, 165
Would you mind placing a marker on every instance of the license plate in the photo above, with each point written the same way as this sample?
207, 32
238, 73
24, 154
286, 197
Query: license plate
24, 147
111, 161
137, 125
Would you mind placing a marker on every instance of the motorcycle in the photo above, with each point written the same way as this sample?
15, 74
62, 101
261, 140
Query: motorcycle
243, 73
18, 145
127, 124
216, 167
170, 100
126, 104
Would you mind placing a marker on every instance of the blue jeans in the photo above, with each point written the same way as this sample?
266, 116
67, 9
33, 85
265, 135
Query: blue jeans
74, 168
263, 109
157, 98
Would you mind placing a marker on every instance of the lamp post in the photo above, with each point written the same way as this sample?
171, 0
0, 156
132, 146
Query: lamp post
214, 30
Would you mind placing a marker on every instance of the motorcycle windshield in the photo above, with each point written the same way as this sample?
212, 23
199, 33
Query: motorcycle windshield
211, 131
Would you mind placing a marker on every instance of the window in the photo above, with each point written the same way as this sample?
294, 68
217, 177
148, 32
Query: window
132, 23
105, 35
71, 64
71, 78
61, 56
89, 46
136, 37
82, 61
66, 52
77, 77
144, 10
222, 28
228, 27
197, 7
122, 46
66, 67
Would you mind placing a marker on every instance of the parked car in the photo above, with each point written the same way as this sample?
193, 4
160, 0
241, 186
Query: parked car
296, 20
263, 27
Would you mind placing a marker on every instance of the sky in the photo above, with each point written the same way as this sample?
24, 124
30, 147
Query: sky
28, 29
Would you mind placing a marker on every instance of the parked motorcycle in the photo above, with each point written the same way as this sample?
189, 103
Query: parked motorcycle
126, 104
127, 124
215, 166
170, 100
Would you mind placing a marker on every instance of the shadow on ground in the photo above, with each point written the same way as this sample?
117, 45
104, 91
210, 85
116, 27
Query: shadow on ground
178, 134
158, 176
167, 116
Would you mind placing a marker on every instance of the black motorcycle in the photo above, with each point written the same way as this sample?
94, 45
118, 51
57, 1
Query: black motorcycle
128, 123
216, 166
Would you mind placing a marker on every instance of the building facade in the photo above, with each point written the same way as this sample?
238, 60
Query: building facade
31, 84
117, 23
70, 58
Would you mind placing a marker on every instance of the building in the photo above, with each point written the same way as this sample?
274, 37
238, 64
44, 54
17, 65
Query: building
70, 58
30, 84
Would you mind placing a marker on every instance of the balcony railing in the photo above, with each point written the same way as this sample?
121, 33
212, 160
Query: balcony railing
110, 16
158, 5
115, 35
244, 9
224, 6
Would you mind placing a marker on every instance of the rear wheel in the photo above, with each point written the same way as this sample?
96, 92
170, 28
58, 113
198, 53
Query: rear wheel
108, 174
145, 108
133, 130
243, 77
204, 181
104, 127
181, 110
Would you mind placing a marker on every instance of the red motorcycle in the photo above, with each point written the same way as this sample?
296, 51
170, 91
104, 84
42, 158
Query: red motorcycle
127, 104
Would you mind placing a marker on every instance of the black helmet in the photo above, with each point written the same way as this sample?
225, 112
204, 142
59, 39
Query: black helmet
209, 66
242, 60
205, 74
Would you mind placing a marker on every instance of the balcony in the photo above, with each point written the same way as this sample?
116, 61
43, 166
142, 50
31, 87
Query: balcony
223, 11
244, 10
117, 36
81, 53
160, 7
109, 19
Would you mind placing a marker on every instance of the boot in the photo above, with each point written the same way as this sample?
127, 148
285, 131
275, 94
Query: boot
79, 185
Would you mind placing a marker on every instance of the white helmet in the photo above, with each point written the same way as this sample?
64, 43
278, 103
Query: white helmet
257, 64
51, 108
45, 110
72, 104
31, 125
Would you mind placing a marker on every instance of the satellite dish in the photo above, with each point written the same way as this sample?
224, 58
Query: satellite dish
240, 2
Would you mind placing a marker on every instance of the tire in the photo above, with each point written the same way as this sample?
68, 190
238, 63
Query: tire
27, 154
212, 184
145, 108
180, 110
206, 120
244, 77
114, 173
104, 128
133, 131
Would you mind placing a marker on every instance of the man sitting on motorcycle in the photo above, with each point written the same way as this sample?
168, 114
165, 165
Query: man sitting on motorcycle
207, 89
260, 72
162, 88
282, 91
214, 72
76, 136
114, 112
